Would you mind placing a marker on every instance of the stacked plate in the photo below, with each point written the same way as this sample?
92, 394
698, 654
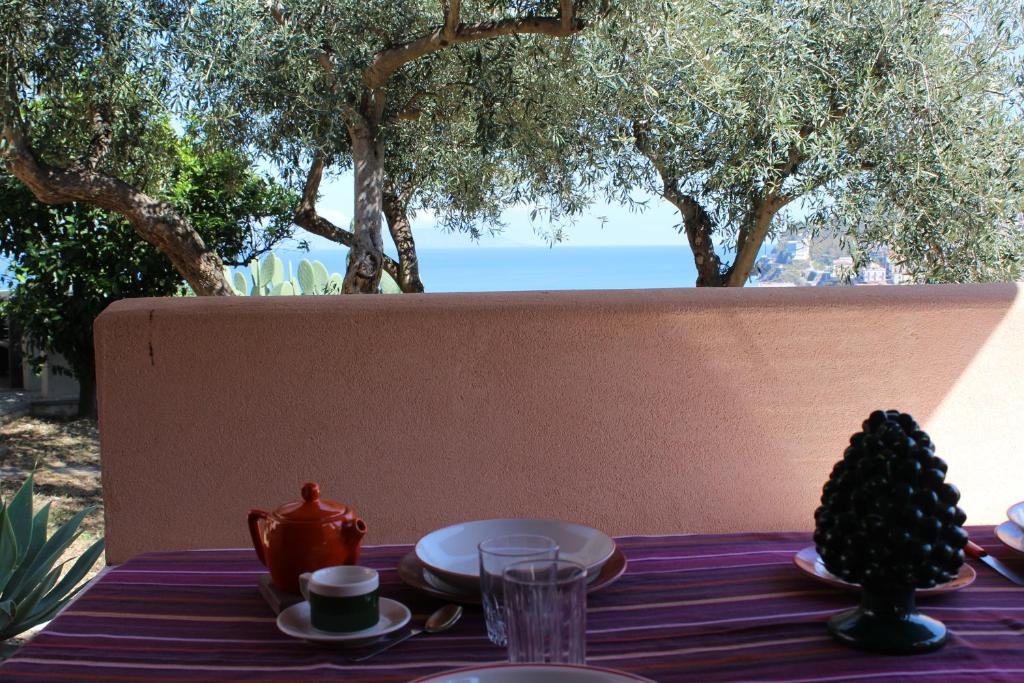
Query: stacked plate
446, 563
1011, 532
533, 673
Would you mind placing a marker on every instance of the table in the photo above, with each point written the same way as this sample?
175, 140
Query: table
689, 608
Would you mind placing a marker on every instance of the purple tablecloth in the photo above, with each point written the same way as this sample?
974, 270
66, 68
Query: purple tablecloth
689, 608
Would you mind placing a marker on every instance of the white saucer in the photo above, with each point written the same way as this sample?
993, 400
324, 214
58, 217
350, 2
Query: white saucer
294, 622
1012, 535
1016, 514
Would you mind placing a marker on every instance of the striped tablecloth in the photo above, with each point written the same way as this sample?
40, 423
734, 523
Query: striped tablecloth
689, 608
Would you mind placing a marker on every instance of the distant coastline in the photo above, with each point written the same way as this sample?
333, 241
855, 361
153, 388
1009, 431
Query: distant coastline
480, 269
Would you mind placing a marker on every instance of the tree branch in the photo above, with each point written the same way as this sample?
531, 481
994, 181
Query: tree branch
101, 140
396, 210
307, 217
411, 111
276, 11
387, 62
155, 221
752, 236
451, 19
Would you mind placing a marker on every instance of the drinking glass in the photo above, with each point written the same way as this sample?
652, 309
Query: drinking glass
495, 555
546, 612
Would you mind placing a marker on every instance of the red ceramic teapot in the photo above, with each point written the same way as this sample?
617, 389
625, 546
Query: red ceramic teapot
305, 536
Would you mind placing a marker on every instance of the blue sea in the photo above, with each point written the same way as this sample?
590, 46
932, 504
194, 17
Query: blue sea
481, 269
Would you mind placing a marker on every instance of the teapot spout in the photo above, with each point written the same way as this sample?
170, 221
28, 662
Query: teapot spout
353, 533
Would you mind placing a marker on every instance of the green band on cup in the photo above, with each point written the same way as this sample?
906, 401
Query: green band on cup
341, 615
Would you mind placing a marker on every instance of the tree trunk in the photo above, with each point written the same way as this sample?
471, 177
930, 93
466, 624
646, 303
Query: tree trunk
751, 238
366, 254
699, 228
14, 360
87, 395
307, 217
396, 211
697, 222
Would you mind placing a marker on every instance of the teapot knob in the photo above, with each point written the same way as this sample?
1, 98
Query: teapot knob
311, 492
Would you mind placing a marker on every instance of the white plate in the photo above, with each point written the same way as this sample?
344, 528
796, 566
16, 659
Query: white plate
533, 673
809, 561
452, 553
1012, 535
294, 622
1016, 514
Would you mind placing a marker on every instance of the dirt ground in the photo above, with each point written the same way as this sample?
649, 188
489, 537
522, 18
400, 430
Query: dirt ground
67, 457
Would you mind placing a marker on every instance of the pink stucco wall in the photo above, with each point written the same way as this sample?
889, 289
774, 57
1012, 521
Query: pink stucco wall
635, 411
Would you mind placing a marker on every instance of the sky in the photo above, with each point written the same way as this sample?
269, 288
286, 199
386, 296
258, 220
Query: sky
653, 227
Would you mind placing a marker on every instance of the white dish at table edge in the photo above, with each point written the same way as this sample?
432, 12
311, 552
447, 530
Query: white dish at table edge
1012, 535
295, 622
1016, 514
533, 673
452, 552
809, 562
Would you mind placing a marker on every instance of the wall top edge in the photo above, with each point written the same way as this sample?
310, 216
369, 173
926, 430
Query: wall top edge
996, 295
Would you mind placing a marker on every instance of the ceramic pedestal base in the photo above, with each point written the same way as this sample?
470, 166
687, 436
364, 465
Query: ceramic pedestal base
888, 622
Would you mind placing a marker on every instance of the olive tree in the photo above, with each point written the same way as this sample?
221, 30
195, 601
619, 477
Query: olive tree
886, 122
100, 70
336, 83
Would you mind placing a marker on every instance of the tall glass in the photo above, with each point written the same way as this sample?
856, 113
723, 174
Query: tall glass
546, 612
495, 555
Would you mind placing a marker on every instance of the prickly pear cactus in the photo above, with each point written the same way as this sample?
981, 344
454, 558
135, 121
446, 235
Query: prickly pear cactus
269, 278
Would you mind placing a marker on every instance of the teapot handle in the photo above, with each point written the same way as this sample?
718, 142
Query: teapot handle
255, 517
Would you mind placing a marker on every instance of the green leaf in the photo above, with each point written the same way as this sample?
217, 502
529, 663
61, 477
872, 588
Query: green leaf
388, 284
49, 554
8, 612
81, 567
307, 277
39, 524
7, 649
321, 275
42, 617
271, 270
20, 513
26, 605
8, 549
241, 284
335, 284
282, 289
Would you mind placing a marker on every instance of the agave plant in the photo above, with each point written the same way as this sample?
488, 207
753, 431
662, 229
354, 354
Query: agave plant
32, 589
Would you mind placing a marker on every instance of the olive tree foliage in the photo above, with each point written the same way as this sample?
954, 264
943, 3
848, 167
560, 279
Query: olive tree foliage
407, 93
493, 142
887, 122
100, 70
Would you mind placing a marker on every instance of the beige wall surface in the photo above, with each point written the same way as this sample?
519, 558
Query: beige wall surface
655, 411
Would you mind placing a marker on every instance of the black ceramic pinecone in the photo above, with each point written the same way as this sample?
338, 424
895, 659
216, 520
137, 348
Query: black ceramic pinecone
888, 518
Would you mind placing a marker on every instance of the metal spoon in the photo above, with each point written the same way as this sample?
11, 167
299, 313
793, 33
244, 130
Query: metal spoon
441, 620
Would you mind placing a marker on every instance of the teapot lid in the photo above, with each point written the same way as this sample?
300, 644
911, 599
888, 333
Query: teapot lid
311, 508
